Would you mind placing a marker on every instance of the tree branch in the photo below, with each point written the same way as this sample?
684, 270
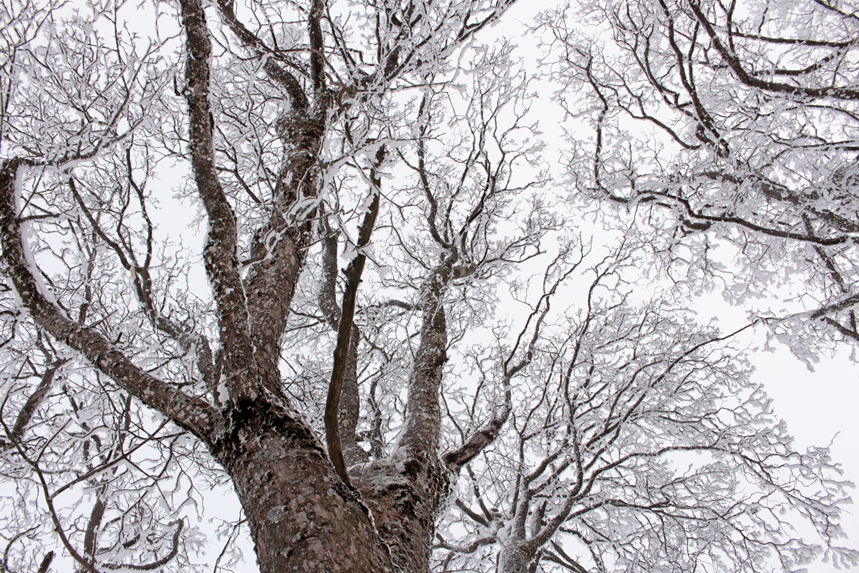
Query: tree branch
35, 399
174, 550
344, 332
221, 247
837, 92
193, 414
350, 401
284, 79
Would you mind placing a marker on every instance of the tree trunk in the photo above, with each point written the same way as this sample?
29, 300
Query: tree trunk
515, 557
301, 516
405, 495
406, 491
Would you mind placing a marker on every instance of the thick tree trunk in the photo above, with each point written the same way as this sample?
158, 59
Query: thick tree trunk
405, 495
515, 557
301, 516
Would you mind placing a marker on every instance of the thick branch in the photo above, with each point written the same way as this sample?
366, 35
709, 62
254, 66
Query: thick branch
844, 302
93, 524
317, 46
420, 437
46, 562
193, 414
280, 245
700, 221
220, 251
477, 442
777, 192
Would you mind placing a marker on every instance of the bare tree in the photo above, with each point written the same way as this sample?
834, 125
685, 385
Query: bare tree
360, 193
636, 442
728, 123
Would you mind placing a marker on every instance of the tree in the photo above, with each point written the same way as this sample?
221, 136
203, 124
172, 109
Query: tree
644, 447
746, 135
312, 137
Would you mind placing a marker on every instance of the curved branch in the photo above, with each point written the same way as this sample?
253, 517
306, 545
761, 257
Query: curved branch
837, 92
287, 81
350, 401
192, 413
698, 221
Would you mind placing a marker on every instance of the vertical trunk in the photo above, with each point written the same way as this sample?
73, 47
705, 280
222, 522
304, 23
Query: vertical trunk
350, 400
279, 247
406, 492
350, 406
420, 437
515, 557
301, 516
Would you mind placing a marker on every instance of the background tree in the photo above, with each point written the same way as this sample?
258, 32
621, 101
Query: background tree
635, 442
364, 186
728, 123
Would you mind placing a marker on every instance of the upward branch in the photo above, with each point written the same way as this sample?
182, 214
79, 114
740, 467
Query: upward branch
288, 82
220, 251
344, 332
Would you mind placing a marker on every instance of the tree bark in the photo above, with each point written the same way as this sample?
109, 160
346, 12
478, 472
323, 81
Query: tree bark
301, 516
514, 557
406, 491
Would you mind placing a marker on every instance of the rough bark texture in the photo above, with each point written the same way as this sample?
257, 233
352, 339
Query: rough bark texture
406, 491
277, 467
423, 417
301, 516
405, 494
514, 558
350, 407
279, 248
220, 252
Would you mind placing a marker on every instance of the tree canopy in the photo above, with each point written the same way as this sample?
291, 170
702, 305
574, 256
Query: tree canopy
321, 255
